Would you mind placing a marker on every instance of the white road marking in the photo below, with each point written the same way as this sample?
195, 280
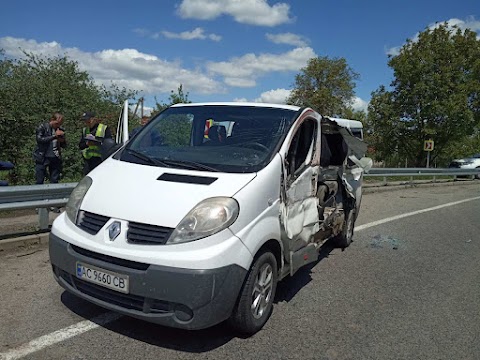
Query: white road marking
59, 335
401, 216
87, 325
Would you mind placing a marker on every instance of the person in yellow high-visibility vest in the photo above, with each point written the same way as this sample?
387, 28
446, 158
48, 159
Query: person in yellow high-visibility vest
90, 144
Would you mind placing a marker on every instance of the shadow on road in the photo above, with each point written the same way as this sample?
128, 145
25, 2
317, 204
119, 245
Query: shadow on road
192, 341
290, 286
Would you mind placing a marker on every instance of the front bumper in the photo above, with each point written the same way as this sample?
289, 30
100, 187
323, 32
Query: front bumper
175, 297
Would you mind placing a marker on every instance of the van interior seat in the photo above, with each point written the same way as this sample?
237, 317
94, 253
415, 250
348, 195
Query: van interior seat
215, 133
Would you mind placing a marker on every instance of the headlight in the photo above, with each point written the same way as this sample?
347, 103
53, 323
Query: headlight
76, 197
207, 218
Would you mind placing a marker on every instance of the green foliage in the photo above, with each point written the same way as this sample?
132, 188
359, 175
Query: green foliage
326, 85
33, 88
179, 97
435, 94
175, 130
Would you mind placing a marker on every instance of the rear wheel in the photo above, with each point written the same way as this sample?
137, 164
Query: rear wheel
477, 176
255, 301
344, 239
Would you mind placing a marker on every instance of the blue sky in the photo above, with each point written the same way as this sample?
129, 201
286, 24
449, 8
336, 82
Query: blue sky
223, 50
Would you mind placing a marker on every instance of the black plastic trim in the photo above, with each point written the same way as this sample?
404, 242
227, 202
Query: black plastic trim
187, 179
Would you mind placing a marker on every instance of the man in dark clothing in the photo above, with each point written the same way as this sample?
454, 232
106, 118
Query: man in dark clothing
92, 137
50, 140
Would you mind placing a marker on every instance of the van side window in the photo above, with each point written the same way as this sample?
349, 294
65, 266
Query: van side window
301, 148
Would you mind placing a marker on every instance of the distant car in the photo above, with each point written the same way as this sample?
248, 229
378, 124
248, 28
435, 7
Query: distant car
472, 162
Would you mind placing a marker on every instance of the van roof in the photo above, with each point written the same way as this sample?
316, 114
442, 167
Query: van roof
352, 124
238, 103
342, 122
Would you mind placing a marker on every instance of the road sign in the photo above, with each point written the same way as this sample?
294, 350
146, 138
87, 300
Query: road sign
428, 145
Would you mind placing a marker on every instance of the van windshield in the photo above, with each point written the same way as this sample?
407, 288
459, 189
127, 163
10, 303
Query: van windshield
227, 138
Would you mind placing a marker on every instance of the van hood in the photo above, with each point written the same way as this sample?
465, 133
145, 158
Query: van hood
154, 195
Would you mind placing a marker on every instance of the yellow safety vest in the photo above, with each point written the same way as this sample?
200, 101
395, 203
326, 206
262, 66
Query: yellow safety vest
94, 150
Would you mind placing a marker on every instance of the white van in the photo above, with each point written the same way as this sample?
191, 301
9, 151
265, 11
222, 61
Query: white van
187, 230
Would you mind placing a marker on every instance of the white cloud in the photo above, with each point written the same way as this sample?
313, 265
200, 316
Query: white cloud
240, 100
470, 23
197, 33
278, 96
359, 104
246, 69
287, 38
141, 32
239, 82
125, 67
253, 12
393, 51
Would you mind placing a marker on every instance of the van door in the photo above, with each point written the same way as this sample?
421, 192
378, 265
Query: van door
122, 127
299, 207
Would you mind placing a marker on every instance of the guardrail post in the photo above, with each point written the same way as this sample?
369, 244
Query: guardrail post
43, 218
434, 179
411, 180
384, 181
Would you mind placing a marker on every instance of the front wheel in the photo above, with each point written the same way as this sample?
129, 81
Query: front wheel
344, 239
255, 301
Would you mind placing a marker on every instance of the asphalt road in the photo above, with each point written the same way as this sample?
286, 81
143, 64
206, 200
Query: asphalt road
407, 288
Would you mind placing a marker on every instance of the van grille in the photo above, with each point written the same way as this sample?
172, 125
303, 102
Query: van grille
110, 259
145, 234
90, 222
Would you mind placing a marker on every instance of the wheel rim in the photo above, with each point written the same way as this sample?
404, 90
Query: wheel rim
262, 291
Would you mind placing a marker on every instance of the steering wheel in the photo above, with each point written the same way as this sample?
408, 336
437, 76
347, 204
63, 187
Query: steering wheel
254, 144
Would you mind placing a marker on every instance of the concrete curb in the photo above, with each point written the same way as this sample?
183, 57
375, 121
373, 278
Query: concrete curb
24, 242
373, 188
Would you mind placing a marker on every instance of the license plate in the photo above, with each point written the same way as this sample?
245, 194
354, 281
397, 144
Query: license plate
105, 278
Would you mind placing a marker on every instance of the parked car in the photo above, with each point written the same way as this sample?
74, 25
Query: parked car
5, 165
472, 162
199, 226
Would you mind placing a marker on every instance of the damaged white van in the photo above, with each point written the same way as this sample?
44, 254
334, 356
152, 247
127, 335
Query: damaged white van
196, 218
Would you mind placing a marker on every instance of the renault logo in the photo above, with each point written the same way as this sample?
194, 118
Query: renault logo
114, 230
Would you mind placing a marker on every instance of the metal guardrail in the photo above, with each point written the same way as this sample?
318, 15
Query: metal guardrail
56, 195
39, 197
389, 172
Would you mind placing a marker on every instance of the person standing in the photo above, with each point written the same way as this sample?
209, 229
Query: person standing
92, 137
48, 155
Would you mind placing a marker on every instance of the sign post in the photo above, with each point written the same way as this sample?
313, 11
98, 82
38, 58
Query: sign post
428, 147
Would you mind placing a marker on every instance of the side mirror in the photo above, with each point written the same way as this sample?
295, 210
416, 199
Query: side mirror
108, 147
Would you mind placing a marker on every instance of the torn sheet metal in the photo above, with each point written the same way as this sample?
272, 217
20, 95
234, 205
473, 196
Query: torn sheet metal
299, 210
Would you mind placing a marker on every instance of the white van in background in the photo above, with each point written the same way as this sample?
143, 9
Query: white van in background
355, 126
187, 230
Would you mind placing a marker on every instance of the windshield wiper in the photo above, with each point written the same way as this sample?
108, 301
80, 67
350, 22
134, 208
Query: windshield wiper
146, 158
189, 165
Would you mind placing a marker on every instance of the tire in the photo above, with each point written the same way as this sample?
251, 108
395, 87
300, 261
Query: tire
259, 287
477, 176
344, 239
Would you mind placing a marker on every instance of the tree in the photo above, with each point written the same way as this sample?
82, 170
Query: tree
33, 88
435, 94
326, 85
179, 97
